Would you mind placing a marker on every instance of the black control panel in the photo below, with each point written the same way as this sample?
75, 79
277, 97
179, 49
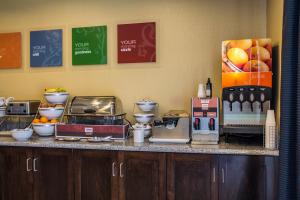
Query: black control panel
250, 94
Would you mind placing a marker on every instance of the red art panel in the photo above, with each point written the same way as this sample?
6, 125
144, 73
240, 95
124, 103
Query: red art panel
137, 43
10, 50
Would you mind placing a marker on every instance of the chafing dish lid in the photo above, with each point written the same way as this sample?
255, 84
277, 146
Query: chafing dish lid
93, 105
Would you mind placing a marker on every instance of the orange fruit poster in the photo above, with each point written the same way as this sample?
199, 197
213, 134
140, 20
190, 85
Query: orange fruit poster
247, 62
10, 50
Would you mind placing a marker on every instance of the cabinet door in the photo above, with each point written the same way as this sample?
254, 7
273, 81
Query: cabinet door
53, 174
96, 175
142, 175
192, 177
15, 174
242, 178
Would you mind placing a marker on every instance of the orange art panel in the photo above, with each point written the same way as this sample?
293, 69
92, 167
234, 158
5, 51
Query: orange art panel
247, 62
246, 79
10, 50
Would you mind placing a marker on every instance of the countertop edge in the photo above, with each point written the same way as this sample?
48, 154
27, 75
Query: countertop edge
145, 147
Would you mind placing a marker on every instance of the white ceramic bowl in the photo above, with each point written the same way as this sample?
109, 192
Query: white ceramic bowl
44, 129
145, 128
144, 118
56, 97
51, 113
146, 105
21, 134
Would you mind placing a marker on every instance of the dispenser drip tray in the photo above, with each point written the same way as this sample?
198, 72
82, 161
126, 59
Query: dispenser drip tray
243, 131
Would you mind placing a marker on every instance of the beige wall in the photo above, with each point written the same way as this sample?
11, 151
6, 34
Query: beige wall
274, 31
189, 35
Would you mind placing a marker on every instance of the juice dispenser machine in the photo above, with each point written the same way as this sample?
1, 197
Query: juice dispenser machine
246, 85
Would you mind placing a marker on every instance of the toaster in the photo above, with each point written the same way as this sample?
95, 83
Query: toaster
26, 107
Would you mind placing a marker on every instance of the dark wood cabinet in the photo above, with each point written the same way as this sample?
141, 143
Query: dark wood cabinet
246, 178
96, 175
104, 175
63, 174
35, 174
142, 176
15, 174
53, 174
192, 177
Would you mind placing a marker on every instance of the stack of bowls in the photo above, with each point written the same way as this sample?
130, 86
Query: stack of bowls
145, 118
48, 129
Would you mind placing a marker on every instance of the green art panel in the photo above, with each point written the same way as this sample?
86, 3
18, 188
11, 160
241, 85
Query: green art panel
89, 45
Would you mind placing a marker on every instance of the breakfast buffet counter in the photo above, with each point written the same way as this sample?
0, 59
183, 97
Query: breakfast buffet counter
129, 145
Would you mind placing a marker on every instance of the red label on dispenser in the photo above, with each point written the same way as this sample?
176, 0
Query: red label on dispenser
211, 114
198, 114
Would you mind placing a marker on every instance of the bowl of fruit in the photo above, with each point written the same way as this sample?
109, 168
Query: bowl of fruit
56, 95
43, 126
51, 111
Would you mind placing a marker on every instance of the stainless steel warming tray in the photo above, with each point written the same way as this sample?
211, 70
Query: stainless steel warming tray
93, 116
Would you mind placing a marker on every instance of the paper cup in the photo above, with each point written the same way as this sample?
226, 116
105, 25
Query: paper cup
138, 135
201, 91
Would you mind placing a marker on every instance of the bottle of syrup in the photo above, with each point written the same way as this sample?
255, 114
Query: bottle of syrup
208, 88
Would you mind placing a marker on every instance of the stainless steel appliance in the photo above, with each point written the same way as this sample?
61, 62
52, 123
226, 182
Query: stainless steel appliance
174, 128
205, 120
93, 116
25, 107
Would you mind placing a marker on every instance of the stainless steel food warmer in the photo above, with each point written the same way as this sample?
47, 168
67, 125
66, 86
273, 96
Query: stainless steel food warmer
93, 116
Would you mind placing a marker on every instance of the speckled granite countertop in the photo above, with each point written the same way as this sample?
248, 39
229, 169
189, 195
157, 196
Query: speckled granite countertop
129, 145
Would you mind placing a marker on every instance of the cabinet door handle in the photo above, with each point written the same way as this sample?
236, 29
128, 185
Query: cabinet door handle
113, 169
223, 176
27, 165
34, 165
121, 170
214, 175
